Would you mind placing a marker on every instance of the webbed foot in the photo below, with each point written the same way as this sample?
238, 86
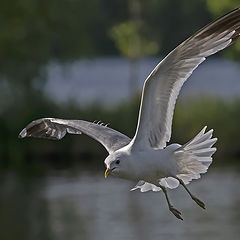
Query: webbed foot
199, 202
175, 212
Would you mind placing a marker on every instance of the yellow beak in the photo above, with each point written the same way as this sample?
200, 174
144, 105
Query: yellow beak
107, 172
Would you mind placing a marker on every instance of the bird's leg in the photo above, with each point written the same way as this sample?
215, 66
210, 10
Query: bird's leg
170, 206
199, 202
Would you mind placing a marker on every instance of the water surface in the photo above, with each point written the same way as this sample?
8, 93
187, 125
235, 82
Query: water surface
86, 206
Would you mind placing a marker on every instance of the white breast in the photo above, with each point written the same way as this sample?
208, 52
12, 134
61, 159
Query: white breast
153, 165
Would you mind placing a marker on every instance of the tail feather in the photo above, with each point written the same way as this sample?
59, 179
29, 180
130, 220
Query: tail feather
204, 152
200, 138
206, 144
195, 157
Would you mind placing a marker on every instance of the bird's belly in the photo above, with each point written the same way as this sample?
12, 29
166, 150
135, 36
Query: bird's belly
161, 165
153, 176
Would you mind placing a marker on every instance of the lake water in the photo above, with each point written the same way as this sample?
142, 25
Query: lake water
106, 80
86, 206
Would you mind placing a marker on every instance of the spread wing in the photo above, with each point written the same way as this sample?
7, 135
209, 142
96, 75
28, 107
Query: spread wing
53, 128
163, 85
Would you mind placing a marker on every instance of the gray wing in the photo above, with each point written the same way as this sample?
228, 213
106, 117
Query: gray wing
53, 128
163, 85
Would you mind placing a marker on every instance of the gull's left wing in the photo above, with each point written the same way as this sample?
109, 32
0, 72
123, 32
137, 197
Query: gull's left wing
54, 128
163, 85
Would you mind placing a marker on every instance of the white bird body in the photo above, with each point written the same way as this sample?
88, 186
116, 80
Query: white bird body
146, 158
160, 163
163, 167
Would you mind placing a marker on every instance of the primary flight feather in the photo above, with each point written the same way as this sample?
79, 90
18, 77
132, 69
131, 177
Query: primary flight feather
146, 158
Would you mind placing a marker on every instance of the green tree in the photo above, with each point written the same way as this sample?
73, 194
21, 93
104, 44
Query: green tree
132, 42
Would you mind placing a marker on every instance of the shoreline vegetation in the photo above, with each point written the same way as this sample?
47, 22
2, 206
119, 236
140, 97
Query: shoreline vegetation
36, 156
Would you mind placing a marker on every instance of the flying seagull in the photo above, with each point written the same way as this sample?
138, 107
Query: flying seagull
146, 158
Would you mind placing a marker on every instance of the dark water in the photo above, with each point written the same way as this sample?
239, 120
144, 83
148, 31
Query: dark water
87, 206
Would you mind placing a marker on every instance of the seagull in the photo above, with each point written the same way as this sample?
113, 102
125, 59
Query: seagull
146, 158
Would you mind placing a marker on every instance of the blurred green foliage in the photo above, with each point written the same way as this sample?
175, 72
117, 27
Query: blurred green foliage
36, 32
130, 43
189, 119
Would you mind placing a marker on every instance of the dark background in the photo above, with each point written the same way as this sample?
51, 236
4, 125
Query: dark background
34, 33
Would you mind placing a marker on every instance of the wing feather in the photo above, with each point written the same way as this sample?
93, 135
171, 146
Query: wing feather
164, 83
54, 128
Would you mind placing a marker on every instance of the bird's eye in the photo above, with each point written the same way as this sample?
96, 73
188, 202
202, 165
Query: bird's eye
118, 161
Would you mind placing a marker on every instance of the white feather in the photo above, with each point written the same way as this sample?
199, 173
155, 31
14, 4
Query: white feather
163, 85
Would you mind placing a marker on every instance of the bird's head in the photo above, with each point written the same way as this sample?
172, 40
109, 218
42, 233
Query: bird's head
117, 164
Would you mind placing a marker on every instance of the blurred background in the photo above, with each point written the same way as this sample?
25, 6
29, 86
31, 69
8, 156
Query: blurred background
78, 59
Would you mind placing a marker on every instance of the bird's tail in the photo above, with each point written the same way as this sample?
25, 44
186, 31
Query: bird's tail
195, 157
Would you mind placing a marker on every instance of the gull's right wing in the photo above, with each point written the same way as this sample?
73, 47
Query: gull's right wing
54, 128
